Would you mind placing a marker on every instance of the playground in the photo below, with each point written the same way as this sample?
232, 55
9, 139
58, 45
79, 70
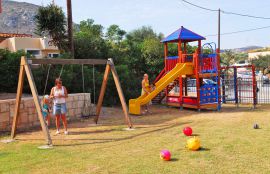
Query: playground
104, 142
229, 144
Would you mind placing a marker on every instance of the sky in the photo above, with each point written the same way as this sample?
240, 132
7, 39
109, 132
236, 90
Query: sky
166, 16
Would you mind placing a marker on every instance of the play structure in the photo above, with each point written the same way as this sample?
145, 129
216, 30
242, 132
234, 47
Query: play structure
180, 70
239, 85
25, 69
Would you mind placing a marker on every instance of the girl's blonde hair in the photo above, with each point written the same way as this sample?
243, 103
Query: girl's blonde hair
46, 97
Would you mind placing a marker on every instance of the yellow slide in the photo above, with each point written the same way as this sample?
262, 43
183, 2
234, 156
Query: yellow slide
179, 69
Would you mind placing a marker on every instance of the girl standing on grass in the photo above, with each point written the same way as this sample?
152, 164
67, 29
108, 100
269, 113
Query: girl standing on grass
146, 89
59, 95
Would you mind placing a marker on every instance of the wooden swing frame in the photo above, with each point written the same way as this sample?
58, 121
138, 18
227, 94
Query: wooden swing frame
25, 69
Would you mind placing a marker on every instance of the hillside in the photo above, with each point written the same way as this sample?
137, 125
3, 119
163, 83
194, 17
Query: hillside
246, 49
17, 17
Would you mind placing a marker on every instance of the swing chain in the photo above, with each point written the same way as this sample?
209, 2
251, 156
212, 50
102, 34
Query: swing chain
47, 78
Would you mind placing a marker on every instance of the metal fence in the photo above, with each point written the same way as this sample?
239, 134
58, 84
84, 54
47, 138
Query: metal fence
243, 93
263, 92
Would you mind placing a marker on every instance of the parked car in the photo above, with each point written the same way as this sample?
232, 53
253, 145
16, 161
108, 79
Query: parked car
263, 78
247, 76
244, 75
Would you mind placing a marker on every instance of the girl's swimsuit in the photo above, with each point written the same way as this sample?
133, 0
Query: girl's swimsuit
45, 110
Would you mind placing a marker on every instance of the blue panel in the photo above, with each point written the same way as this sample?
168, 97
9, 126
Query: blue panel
174, 36
209, 94
189, 35
172, 57
209, 55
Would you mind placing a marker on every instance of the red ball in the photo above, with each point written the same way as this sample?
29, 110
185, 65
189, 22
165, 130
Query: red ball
165, 155
187, 131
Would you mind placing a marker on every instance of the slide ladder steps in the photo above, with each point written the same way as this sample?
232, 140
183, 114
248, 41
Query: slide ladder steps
162, 94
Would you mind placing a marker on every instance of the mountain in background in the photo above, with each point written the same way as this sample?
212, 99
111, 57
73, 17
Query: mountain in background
246, 49
17, 17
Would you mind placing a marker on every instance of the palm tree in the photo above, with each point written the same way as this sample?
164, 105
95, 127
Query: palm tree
51, 20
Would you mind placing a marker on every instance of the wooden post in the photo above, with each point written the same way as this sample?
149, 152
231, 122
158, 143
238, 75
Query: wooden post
25, 69
120, 93
102, 91
165, 55
197, 73
180, 60
18, 99
166, 67
180, 52
37, 102
110, 66
185, 52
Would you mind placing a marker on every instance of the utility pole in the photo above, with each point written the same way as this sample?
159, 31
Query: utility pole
0, 6
218, 52
70, 28
219, 29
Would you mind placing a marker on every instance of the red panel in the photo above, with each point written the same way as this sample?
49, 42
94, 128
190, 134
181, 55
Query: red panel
190, 100
173, 99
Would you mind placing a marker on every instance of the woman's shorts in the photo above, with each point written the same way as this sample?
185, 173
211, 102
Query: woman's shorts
59, 109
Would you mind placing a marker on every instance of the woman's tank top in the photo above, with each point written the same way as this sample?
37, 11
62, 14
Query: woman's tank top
58, 92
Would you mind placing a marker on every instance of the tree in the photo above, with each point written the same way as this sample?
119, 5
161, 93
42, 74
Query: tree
152, 52
89, 41
229, 57
115, 34
51, 20
263, 63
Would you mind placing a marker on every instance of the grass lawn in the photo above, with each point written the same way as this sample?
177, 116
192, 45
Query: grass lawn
230, 144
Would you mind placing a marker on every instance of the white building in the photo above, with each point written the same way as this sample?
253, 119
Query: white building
255, 55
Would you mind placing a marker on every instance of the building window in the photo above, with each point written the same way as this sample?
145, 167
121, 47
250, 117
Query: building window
53, 55
35, 53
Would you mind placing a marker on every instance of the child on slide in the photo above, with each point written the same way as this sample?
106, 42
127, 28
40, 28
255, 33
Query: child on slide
46, 109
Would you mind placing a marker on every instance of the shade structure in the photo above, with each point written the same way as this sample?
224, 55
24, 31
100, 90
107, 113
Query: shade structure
184, 35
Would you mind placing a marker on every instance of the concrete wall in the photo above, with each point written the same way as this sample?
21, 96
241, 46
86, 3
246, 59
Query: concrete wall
28, 115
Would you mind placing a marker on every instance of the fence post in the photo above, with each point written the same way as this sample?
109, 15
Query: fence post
236, 86
254, 83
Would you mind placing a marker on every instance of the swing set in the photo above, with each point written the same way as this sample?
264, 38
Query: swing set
25, 69
87, 108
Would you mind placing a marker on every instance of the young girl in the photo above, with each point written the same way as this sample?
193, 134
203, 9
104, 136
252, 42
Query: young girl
46, 109
146, 89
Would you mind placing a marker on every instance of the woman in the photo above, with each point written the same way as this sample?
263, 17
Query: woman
146, 89
59, 95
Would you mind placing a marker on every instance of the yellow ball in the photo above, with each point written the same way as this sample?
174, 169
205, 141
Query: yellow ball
193, 143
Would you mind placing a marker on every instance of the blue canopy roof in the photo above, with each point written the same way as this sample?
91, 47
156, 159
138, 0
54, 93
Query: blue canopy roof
182, 34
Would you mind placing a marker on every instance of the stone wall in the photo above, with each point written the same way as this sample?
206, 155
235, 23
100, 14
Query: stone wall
28, 115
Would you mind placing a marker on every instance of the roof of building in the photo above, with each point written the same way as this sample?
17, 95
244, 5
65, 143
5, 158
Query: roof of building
4, 36
183, 34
